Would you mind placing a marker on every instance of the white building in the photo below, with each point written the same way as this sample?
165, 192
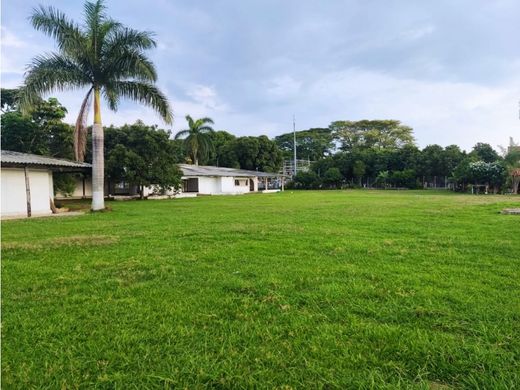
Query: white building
27, 184
196, 180
209, 180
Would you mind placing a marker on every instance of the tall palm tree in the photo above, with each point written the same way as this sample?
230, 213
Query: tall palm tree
198, 137
102, 56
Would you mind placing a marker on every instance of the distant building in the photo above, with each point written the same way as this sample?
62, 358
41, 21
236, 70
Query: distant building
198, 180
209, 180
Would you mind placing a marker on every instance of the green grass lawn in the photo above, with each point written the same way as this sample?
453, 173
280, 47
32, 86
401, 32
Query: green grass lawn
338, 289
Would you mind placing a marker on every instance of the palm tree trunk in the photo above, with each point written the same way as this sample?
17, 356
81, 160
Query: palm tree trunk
98, 160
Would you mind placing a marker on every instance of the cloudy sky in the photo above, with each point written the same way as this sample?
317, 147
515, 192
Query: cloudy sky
448, 68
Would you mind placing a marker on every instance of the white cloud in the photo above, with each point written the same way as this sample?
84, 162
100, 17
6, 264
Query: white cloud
440, 112
11, 40
16, 55
283, 87
207, 97
418, 33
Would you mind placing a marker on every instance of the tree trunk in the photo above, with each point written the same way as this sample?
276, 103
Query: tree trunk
516, 183
98, 159
196, 156
27, 191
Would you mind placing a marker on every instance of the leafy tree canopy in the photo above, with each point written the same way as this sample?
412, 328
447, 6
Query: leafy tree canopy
142, 155
41, 131
378, 134
312, 144
484, 152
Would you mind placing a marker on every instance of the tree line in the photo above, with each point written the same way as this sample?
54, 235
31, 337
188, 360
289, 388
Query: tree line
136, 153
380, 153
383, 154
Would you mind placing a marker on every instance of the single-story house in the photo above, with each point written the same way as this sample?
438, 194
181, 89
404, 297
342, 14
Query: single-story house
27, 182
196, 180
209, 180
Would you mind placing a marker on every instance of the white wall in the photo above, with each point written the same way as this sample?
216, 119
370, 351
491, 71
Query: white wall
228, 185
41, 191
209, 185
13, 192
223, 185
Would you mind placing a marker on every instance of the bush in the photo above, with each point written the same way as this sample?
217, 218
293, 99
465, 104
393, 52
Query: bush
64, 183
306, 181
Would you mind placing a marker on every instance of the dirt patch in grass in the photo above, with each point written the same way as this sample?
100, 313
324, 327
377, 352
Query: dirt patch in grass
80, 240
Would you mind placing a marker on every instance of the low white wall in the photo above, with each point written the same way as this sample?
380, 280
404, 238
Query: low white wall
14, 201
148, 191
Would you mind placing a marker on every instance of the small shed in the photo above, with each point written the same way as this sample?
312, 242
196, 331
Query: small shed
27, 182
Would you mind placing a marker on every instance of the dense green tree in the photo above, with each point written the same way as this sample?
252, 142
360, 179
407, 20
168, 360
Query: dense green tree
312, 144
101, 56
258, 153
197, 138
484, 152
21, 134
306, 180
41, 131
9, 100
489, 173
452, 157
358, 170
332, 178
141, 155
432, 162
407, 157
222, 154
380, 134
406, 178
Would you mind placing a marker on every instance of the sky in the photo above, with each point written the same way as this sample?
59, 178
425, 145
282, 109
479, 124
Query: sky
448, 68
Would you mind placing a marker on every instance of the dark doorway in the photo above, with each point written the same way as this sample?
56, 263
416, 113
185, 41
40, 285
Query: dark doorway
190, 185
251, 185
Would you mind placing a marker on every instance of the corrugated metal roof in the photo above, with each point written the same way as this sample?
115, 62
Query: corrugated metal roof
9, 157
204, 170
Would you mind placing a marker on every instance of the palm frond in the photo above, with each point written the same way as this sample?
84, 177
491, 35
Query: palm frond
189, 119
55, 24
111, 96
130, 39
206, 129
94, 15
182, 133
207, 120
80, 130
145, 93
51, 73
105, 29
129, 64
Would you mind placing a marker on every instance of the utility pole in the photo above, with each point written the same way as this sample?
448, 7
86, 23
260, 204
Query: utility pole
294, 134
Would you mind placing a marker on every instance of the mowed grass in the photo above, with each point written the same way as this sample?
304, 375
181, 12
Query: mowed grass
337, 289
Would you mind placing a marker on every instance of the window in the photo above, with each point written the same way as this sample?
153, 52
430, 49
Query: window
241, 182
